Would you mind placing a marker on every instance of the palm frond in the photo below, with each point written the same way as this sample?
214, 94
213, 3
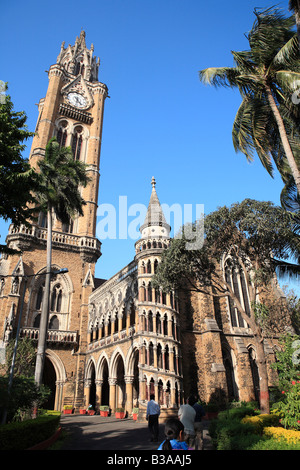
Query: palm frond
219, 76
288, 55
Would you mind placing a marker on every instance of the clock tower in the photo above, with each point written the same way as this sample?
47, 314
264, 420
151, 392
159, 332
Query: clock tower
72, 111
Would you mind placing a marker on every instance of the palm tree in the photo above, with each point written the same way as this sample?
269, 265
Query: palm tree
58, 193
266, 77
294, 5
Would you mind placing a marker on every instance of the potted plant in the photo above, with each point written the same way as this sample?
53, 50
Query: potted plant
135, 413
90, 410
120, 413
104, 410
68, 409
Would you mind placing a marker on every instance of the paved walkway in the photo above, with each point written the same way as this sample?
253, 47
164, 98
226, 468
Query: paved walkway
98, 433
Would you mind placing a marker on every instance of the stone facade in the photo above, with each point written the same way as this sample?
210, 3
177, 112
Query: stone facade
114, 342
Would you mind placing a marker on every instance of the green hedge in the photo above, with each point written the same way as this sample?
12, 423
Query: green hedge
25, 434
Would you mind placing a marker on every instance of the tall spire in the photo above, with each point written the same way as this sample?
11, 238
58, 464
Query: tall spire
78, 59
155, 223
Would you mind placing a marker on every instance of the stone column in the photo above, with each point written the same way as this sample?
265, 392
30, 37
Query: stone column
129, 394
99, 384
112, 394
87, 386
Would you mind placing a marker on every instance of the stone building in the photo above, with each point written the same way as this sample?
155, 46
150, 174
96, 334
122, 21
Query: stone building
114, 342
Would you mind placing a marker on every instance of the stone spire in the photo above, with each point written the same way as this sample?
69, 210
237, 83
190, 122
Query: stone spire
79, 60
155, 224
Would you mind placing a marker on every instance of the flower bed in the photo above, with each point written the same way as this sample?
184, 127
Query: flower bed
278, 433
233, 431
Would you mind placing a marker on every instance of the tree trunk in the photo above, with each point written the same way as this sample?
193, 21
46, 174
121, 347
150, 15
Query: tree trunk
42, 341
264, 400
284, 139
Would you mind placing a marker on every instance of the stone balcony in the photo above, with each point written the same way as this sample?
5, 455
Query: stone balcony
23, 237
53, 336
111, 339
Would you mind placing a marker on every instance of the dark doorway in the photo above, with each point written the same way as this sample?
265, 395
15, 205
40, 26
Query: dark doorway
49, 379
92, 399
105, 385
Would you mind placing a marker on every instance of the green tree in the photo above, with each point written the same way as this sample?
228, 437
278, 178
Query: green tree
25, 357
15, 171
58, 193
266, 76
257, 235
287, 367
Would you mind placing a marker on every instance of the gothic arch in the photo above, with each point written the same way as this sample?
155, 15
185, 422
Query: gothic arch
35, 297
91, 365
100, 365
58, 365
130, 359
117, 354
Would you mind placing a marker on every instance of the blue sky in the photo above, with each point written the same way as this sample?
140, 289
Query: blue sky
159, 120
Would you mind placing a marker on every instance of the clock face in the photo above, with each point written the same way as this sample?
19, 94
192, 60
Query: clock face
77, 100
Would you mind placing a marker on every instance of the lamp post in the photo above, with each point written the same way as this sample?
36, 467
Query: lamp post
12, 367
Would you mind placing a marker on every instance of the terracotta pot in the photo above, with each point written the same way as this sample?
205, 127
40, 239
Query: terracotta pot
103, 413
82, 412
120, 414
134, 416
68, 412
91, 412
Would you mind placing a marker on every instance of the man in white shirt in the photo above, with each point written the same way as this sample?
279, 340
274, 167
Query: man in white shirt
152, 414
186, 415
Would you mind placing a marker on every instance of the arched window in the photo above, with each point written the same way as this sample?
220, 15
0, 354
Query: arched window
159, 357
151, 354
56, 298
77, 142
149, 292
54, 323
150, 321
235, 277
77, 69
61, 135
39, 298
149, 267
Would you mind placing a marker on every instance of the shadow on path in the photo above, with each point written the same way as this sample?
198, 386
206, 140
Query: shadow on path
98, 433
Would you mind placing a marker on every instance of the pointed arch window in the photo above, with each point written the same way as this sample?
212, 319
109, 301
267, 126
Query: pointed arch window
235, 277
56, 299
54, 323
77, 142
39, 298
61, 135
77, 69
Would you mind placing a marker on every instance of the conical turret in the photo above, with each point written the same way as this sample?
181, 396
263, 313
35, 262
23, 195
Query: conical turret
155, 224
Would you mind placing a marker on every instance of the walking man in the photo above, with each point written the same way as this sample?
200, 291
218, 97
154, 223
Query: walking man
186, 415
152, 414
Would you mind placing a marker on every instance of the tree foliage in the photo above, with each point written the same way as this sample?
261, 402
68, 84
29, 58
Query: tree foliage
15, 171
59, 182
256, 235
266, 75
